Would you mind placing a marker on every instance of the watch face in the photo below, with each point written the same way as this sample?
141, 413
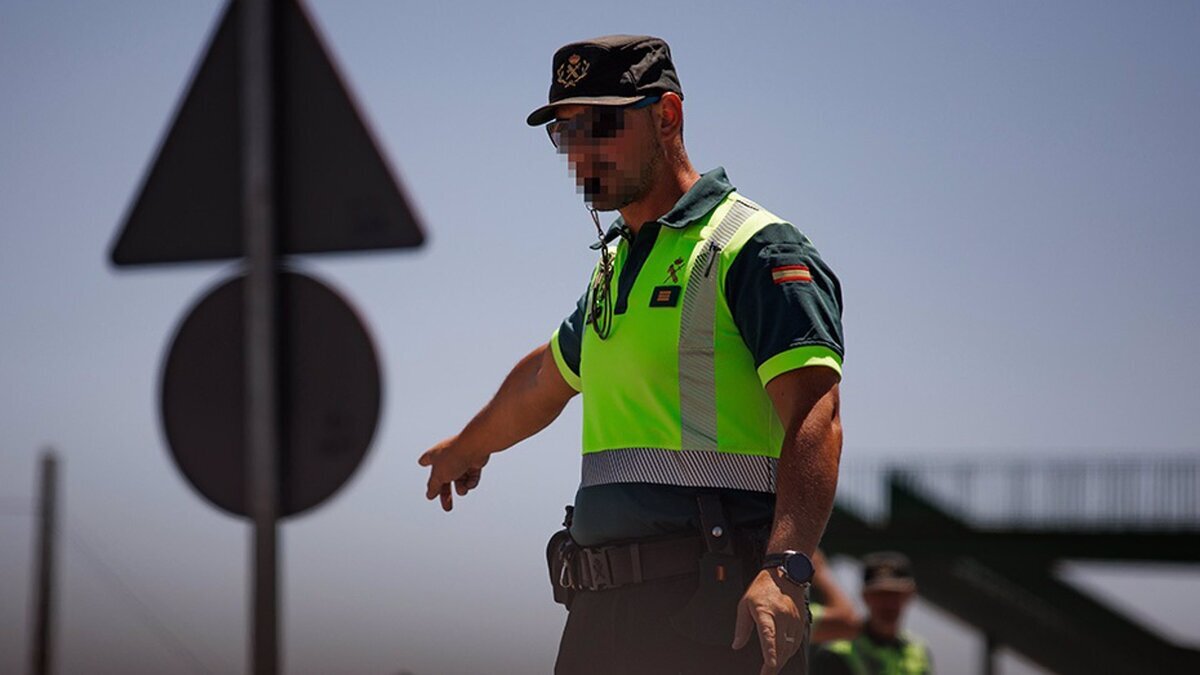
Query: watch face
799, 568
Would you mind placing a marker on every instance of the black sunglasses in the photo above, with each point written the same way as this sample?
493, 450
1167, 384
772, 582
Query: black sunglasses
601, 121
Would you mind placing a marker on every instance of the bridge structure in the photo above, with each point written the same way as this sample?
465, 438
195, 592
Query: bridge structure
987, 535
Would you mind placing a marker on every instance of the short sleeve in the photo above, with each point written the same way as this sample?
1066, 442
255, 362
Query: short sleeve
786, 302
567, 344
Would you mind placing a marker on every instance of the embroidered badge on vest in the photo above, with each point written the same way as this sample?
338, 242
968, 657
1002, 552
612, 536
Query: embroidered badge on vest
674, 270
782, 275
664, 296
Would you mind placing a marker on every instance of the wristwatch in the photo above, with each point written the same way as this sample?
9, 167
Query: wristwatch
795, 566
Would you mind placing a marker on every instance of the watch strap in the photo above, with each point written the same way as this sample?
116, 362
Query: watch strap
774, 560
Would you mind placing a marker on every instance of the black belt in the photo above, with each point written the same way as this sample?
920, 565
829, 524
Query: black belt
604, 567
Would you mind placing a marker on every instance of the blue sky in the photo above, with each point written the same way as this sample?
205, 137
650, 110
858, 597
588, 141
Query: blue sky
1008, 192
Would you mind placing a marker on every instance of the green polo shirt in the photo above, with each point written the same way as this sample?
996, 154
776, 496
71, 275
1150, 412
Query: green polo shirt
870, 654
777, 321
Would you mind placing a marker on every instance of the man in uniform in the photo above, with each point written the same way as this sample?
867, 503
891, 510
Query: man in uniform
882, 648
708, 349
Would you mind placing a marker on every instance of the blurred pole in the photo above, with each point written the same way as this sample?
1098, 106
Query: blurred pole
43, 622
989, 654
259, 20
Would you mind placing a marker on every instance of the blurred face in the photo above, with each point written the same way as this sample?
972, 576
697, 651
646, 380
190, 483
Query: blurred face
887, 606
612, 152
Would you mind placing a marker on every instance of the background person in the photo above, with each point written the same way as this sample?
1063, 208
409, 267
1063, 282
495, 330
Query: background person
883, 647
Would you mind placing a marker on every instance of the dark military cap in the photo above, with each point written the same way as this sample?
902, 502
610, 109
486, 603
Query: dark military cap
609, 70
887, 571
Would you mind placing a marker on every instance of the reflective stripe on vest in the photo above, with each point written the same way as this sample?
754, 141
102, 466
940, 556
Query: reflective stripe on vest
698, 461
697, 351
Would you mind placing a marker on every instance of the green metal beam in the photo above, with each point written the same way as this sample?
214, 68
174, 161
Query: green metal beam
1003, 583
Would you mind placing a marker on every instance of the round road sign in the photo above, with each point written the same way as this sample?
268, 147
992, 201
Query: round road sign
330, 394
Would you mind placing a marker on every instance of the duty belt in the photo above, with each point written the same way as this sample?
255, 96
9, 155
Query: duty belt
604, 567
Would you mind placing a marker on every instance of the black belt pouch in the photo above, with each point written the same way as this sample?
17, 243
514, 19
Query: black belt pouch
560, 551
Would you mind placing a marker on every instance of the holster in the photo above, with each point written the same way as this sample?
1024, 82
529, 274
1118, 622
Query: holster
710, 615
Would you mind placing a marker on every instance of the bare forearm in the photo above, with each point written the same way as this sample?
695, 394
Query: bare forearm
808, 466
839, 620
807, 402
529, 399
805, 488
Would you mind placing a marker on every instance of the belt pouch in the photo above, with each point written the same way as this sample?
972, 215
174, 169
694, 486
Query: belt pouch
560, 553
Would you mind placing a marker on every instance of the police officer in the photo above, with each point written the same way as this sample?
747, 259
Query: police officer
708, 350
882, 648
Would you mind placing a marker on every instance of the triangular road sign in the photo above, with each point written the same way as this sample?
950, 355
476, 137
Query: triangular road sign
337, 191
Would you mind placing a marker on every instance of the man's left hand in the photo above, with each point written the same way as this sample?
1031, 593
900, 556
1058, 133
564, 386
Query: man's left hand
776, 606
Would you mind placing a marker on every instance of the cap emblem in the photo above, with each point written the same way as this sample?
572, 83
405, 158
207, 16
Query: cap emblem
571, 71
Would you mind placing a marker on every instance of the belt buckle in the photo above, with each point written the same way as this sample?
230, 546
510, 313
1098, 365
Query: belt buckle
597, 571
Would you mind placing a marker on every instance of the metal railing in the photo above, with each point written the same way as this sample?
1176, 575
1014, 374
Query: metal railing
1141, 493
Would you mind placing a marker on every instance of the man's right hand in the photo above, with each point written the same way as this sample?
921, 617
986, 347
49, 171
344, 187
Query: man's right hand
450, 462
532, 395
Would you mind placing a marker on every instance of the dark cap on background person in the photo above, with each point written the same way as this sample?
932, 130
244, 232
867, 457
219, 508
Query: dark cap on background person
611, 70
887, 570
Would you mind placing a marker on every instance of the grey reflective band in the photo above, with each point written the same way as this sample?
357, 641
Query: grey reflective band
689, 468
697, 357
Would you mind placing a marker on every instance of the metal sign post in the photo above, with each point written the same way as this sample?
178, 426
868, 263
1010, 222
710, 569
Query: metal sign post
43, 622
220, 189
258, 88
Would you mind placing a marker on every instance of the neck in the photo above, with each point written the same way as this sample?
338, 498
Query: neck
881, 629
666, 191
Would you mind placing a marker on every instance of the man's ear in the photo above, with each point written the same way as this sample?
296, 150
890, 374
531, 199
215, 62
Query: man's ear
670, 118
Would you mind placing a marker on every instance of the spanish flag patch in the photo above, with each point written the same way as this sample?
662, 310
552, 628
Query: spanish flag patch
782, 275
